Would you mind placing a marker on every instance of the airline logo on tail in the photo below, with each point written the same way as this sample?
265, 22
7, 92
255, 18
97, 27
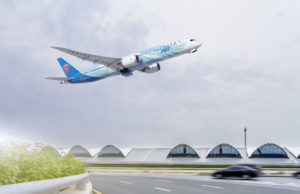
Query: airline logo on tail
66, 67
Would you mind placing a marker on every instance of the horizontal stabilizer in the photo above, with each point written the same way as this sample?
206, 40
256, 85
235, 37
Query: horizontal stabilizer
59, 78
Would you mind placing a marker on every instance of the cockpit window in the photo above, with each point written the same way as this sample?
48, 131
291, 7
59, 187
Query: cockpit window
192, 39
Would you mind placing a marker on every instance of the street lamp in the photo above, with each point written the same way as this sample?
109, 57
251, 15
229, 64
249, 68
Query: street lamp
245, 136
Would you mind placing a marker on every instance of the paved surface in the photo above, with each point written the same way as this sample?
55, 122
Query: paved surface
177, 184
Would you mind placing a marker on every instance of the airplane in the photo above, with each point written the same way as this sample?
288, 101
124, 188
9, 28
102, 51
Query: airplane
146, 61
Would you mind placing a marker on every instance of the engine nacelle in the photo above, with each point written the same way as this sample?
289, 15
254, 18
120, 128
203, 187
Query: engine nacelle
152, 68
130, 61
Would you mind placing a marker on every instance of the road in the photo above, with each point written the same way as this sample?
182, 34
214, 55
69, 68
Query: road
179, 184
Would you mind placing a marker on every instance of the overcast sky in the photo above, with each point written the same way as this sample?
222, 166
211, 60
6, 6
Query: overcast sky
246, 73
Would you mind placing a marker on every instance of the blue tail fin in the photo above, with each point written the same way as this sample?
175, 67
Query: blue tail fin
69, 70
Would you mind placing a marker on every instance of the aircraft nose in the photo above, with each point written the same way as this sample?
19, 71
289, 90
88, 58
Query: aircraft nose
197, 44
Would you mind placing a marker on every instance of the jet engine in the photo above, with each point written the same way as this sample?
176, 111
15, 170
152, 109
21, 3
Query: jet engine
152, 68
131, 60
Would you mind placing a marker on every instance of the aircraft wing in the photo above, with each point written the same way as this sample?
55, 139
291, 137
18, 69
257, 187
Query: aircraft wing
113, 63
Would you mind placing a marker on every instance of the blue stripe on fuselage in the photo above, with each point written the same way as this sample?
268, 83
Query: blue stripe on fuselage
81, 78
93, 74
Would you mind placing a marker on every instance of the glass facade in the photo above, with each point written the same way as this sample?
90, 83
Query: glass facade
224, 151
50, 150
110, 151
183, 151
269, 150
79, 151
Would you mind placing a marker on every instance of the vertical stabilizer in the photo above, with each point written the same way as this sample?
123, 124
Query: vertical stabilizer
68, 69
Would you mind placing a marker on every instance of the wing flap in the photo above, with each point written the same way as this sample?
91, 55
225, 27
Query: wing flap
110, 62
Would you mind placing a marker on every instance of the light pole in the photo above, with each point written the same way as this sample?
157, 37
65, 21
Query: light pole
245, 136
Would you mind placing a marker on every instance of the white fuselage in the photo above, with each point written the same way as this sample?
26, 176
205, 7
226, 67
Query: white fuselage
146, 58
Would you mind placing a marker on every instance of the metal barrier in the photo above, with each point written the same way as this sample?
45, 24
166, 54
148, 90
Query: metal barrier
79, 184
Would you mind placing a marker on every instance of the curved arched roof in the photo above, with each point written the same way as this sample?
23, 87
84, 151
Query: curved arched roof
269, 150
79, 151
224, 151
50, 150
183, 151
110, 151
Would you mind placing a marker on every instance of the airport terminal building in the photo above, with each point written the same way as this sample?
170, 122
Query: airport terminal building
268, 153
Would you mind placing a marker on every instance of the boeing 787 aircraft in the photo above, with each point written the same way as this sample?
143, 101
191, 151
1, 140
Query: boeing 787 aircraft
146, 61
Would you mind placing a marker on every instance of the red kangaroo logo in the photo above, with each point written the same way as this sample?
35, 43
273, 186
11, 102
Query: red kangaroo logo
66, 67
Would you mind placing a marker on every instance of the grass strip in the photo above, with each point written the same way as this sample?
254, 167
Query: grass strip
180, 166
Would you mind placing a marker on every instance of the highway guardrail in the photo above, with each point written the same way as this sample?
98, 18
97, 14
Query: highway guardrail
79, 184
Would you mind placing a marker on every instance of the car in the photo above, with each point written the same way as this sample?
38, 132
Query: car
237, 171
297, 174
254, 166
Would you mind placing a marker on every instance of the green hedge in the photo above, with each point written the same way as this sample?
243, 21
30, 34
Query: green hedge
22, 163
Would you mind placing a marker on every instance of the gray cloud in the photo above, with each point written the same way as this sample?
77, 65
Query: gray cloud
241, 76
